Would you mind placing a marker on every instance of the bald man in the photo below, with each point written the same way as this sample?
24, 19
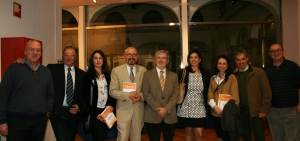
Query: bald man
130, 105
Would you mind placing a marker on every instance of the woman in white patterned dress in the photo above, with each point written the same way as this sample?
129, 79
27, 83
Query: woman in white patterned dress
192, 112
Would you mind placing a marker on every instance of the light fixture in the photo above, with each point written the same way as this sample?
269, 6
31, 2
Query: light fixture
95, 1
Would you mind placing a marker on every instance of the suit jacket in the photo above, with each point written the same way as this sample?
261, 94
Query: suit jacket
125, 108
156, 97
58, 75
88, 81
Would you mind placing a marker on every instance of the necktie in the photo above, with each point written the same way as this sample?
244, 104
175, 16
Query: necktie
131, 75
69, 91
162, 80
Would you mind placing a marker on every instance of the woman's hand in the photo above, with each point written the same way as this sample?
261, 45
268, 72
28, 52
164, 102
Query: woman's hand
217, 110
100, 117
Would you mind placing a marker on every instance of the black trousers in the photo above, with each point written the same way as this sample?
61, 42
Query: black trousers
154, 131
218, 127
98, 129
65, 126
26, 128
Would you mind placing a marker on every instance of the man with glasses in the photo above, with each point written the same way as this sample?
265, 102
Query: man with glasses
284, 78
255, 97
26, 97
67, 80
126, 87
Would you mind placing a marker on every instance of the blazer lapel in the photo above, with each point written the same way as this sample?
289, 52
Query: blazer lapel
127, 77
167, 79
77, 78
156, 79
62, 74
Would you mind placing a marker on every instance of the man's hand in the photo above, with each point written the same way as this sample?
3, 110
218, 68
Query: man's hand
132, 94
298, 108
137, 98
74, 109
4, 130
261, 115
20, 61
161, 111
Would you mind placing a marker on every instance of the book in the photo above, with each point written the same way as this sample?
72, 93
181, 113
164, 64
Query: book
129, 87
109, 117
223, 99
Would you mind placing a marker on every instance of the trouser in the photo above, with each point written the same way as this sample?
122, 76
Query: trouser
26, 128
154, 131
252, 124
131, 129
65, 126
284, 124
218, 127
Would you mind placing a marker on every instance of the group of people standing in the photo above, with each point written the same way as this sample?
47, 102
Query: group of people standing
30, 93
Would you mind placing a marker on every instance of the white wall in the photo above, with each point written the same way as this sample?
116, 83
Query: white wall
40, 19
291, 30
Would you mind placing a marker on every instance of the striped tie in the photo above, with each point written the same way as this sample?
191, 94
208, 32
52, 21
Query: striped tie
69, 91
162, 80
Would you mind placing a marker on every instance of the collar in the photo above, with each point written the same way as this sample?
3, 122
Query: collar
66, 67
28, 64
128, 67
158, 70
244, 69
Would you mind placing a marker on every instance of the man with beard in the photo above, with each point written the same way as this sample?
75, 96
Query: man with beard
130, 105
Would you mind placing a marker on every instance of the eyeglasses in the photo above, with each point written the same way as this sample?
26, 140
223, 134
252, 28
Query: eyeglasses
128, 54
69, 55
35, 76
276, 51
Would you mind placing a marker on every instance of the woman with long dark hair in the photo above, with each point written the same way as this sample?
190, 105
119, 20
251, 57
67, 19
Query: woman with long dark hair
192, 113
222, 82
96, 94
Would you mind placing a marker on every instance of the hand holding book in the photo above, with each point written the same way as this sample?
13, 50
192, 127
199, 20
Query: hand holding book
108, 116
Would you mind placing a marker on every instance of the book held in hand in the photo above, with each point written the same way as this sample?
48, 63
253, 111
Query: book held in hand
223, 99
109, 117
129, 87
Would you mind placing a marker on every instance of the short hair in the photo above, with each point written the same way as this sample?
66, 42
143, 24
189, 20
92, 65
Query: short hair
70, 47
277, 44
163, 51
241, 51
32, 40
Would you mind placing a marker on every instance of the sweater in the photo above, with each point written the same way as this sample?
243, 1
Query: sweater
25, 92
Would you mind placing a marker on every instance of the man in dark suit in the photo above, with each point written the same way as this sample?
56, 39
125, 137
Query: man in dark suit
161, 92
65, 117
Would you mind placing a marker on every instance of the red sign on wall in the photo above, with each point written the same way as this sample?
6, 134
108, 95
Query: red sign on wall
17, 9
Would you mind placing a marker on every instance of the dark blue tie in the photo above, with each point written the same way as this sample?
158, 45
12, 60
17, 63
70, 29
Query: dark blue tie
69, 91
